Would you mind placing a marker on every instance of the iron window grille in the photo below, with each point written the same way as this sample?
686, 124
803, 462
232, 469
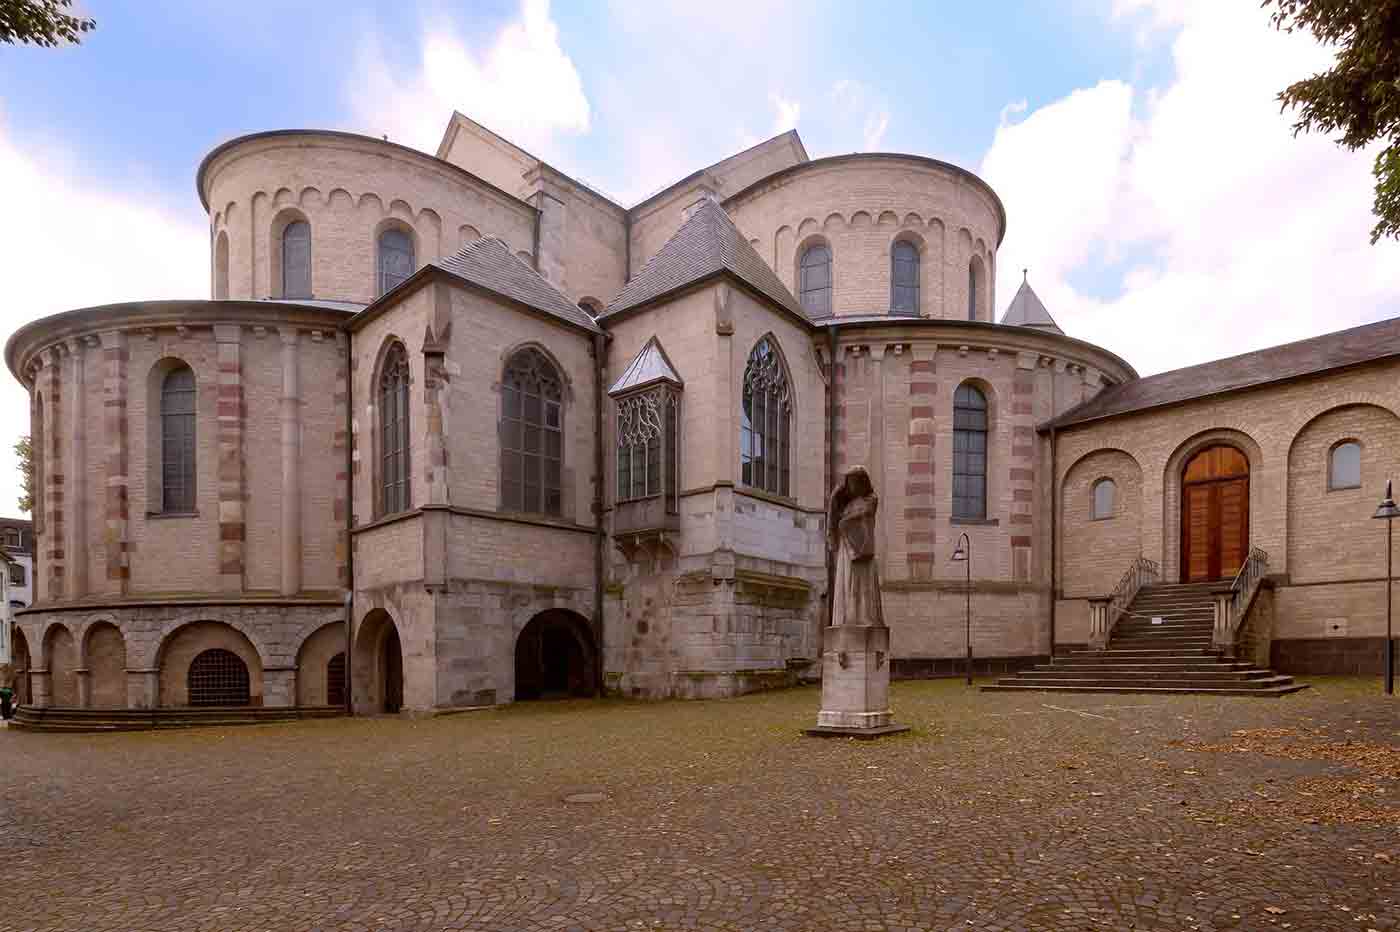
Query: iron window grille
335, 680
218, 677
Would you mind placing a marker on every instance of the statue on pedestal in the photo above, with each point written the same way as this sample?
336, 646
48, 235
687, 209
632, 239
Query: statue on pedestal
855, 656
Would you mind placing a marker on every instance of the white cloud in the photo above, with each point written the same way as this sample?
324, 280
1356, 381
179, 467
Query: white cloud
523, 86
1183, 223
787, 112
855, 102
874, 131
78, 246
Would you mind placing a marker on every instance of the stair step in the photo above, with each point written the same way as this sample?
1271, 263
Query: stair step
1173, 672
1154, 683
1146, 669
1150, 690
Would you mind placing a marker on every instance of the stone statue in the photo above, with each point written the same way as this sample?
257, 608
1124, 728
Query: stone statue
856, 649
855, 593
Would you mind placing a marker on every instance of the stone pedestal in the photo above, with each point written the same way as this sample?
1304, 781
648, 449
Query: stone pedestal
856, 683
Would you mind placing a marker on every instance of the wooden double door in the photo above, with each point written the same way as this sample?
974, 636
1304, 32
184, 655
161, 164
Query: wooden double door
1214, 514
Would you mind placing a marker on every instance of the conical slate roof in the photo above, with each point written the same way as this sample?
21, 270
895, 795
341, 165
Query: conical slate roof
650, 365
488, 263
1027, 311
707, 243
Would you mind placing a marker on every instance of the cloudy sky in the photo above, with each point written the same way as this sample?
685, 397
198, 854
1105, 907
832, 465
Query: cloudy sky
1152, 187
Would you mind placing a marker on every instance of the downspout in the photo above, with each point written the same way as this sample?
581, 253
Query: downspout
831, 454
600, 537
349, 529
627, 246
1054, 538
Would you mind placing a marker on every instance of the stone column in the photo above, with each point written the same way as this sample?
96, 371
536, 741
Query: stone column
52, 479
142, 688
279, 686
291, 463
76, 547
875, 439
919, 533
84, 676
114, 436
41, 682
343, 477
232, 532
1098, 624
1021, 472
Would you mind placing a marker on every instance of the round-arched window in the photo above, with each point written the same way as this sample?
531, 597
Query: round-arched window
814, 285
1105, 498
395, 258
1344, 470
904, 279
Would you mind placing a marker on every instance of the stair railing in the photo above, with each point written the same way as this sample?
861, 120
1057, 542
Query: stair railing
1105, 612
1231, 605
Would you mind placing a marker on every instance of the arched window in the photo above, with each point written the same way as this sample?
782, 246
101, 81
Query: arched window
221, 266
969, 453
218, 677
335, 680
815, 280
1344, 471
395, 258
177, 441
1105, 498
296, 260
765, 421
532, 435
904, 278
393, 432
972, 289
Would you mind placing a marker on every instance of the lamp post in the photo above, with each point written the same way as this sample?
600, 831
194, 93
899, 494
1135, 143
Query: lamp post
1388, 511
963, 554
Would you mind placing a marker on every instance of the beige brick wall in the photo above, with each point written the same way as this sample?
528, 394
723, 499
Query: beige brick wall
1095, 548
61, 659
105, 658
312, 661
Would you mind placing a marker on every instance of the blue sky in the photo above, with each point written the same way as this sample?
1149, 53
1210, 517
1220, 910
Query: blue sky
1151, 185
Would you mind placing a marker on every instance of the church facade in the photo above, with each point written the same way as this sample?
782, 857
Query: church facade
457, 430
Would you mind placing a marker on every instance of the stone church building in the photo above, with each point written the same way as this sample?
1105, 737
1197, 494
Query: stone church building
456, 429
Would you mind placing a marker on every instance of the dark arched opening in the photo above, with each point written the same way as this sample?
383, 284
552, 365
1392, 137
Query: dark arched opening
391, 670
218, 677
335, 680
555, 657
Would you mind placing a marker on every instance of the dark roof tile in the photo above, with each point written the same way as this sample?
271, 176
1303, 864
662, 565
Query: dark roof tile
489, 263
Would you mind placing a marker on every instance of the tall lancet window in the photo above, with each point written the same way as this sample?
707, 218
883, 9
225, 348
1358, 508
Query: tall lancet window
532, 435
395, 258
177, 446
969, 453
393, 432
904, 279
814, 280
766, 421
296, 260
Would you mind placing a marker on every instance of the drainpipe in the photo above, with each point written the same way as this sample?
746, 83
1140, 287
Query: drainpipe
349, 528
1054, 538
831, 453
600, 538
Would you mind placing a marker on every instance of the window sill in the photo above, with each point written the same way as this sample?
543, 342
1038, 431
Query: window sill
770, 497
1104, 518
1343, 488
163, 515
975, 522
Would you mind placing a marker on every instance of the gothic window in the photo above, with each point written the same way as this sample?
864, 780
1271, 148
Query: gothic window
218, 677
395, 258
532, 435
296, 260
393, 432
815, 280
765, 426
1344, 471
177, 441
1105, 498
335, 680
969, 453
648, 459
904, 278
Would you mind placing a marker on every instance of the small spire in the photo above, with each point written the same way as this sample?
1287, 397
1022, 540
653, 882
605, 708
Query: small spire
1025, 274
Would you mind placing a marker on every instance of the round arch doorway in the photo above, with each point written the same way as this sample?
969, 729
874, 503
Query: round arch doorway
555, 657
1214, 514
377, 680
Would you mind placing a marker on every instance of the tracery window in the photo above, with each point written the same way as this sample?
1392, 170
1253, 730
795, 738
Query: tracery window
296, 260
532, 435
648, 445
1344, 469
395, 258
177, 441
814, 285
393, 432
765, 421
969, 453
218, 677
1105, 498
904, 278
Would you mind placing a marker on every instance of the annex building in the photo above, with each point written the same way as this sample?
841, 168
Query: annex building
455, 430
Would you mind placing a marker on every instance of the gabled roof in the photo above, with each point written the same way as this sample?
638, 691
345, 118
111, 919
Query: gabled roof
1026, 310
1367, 343
488, 263
650, 365
708, 243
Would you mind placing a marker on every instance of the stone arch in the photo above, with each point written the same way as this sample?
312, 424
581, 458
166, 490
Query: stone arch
151, 657
556, 656
808, 242
340, 199
525, 257
314, 658
509, 352
806, 227
466, 235
1330, 534
61, 660
372, 202
1171, 490
309, 197
860, 220
912, 219
591, 304
1094, 552
283, 197
888, 218
20, 664
280, 221
401, 210
377, 681
976, 288
383, 226
104, 657
184, 644
923, 273
834, 221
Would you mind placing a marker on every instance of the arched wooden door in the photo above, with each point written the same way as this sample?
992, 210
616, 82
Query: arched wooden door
1214, 514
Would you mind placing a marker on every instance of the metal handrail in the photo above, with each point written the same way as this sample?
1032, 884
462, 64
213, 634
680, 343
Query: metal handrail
1141, 573
1242, 588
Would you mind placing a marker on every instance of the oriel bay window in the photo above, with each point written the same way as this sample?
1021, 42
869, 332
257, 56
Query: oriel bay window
648, 402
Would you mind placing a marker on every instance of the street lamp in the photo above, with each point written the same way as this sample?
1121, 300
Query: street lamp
963, 555
1388, 511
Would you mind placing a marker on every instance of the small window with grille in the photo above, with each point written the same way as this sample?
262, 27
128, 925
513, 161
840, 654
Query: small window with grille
218, 677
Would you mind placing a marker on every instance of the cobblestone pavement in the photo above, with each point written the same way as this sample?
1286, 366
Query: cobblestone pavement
1000, 812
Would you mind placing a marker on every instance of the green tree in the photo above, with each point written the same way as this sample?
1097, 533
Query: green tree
24, 449
41, 22
1359, 97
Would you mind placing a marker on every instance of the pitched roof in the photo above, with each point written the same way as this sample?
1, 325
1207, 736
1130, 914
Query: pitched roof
1367, 343
650, 365
1026, 310
488, 263
707, 243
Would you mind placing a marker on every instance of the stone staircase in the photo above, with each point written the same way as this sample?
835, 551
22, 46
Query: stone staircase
1169, 658
30, 718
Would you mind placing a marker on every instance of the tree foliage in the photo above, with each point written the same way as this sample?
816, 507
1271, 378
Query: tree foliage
1359, 97
41, 22
24, 449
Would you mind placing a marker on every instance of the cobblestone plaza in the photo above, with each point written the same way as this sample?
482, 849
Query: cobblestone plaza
999, 812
